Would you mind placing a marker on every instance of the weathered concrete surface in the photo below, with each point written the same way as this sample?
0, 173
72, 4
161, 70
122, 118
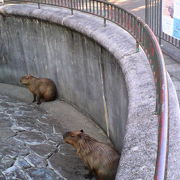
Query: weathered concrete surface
173, 68
31, 144
78, 65
174, 134
172, 61
140, 143
139, 169
171, 53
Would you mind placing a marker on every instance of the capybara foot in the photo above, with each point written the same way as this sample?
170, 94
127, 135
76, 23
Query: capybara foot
89, 176
38, 103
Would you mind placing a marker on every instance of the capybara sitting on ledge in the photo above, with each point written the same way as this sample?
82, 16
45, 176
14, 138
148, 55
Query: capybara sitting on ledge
41, 88
101, 159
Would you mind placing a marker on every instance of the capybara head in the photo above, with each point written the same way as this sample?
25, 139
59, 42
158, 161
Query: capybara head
25, 80
73, 137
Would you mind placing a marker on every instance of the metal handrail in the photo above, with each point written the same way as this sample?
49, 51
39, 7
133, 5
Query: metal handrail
147, 40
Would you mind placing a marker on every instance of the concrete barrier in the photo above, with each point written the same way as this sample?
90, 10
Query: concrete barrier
96, 69
85, 73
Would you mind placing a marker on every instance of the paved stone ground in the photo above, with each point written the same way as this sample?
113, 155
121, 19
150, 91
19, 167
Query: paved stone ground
137, 7
31, 145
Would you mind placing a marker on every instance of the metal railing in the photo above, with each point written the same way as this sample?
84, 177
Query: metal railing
153, 17
147, 40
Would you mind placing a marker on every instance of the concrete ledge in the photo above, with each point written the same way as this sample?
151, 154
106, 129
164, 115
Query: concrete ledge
174, 134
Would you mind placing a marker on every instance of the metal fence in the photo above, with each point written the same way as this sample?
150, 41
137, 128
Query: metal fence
147, 40
153, 17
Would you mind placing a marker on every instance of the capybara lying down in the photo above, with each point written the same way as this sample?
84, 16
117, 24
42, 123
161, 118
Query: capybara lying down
41, 88
101, 159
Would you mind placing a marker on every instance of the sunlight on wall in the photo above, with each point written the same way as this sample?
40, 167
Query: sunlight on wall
138, 9
117, 1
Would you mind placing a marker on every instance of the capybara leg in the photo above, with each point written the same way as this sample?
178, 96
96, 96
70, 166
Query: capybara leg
38, 99
103, 176
90, 175
34, 100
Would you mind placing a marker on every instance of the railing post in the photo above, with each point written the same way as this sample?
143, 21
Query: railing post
71, 7
146, 11
2, 2
104, 22
160, 24
39, 5
138, 39
137, 46
104, 15
157, 106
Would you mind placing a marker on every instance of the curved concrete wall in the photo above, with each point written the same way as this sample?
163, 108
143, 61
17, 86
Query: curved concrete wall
105, 61
86, 74
96, 78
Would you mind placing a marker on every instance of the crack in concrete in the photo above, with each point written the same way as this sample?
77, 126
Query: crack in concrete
53, 152
129, 54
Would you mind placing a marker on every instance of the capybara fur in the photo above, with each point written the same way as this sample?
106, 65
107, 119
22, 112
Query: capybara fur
101, 159
41, 88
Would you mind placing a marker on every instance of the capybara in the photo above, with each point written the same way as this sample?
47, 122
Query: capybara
41, 88
101, 159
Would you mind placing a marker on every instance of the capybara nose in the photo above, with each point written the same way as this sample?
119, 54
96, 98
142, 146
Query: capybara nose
65, 135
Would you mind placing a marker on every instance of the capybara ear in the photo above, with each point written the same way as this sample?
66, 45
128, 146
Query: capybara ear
82, 131
28, 76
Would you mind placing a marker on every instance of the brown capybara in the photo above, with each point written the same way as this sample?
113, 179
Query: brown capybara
101, 159
41, 88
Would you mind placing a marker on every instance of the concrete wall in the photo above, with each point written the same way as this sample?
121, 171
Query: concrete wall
85, 73
93, 75
106, 57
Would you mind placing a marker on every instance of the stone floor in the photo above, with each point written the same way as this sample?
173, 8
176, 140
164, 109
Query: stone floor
31, 145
